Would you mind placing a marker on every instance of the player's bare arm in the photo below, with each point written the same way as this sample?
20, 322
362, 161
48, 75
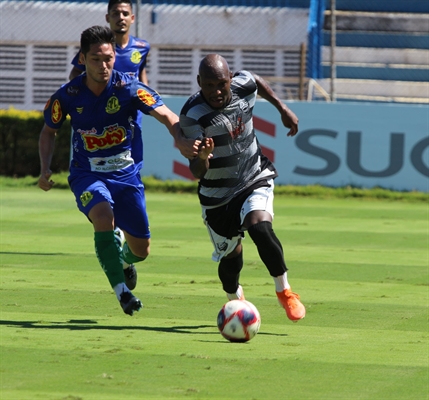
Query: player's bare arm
289, 119
74, 73
46, 151
200, 164
187, 147
143, 76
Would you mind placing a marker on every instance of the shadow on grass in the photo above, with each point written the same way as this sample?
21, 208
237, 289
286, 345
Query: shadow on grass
88, 324
23, 253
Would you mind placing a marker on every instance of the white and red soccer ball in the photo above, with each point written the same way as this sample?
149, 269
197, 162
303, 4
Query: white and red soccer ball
238, 321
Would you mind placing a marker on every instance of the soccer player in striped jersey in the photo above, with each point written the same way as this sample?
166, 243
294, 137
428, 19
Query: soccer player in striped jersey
236, 179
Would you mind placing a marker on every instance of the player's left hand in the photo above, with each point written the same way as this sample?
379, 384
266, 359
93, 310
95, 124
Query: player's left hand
45, 182
290, 120
188, 147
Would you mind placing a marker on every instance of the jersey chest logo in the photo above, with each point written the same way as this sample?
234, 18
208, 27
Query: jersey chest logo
111, 136
113, 105
135, 57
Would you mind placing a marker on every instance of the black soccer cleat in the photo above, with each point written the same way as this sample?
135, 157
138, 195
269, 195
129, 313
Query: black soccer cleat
130, 277
130, 303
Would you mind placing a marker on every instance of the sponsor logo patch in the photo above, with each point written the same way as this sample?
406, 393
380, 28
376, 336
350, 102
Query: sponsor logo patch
111, 136
56, 112
73, 90
146, 97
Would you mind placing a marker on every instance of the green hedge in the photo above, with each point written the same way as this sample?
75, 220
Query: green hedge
19, 144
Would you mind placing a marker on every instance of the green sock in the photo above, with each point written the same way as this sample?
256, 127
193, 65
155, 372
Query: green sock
129, 257
108, 256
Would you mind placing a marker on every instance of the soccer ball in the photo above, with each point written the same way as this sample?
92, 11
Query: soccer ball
238, 321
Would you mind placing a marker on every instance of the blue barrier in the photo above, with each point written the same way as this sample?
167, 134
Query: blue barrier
381, 73
379, 40
315, 38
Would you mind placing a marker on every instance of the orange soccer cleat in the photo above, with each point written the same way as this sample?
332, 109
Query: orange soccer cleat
295, 310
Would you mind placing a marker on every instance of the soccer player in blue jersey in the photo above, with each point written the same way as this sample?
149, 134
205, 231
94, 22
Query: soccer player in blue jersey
102, 104
131, 57
236, 180
131, 52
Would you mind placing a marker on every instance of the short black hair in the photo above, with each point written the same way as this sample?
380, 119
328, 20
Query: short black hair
113, 2
96, 35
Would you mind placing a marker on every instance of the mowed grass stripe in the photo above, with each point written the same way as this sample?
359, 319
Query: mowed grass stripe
365, 335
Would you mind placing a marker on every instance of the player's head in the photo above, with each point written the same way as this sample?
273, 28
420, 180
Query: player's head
120, 16
114, 2
96, 35
97, 47
214, 78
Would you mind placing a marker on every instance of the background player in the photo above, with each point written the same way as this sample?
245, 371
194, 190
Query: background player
131, 52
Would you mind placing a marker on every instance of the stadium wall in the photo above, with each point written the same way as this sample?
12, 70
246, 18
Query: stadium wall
338, 144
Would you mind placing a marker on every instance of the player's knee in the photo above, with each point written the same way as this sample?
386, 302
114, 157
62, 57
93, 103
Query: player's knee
135, 252
142, 252
261, 233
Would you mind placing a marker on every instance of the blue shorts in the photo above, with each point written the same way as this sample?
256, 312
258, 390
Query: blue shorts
127, 200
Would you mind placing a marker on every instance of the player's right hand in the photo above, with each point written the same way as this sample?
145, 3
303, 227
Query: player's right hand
45, 182
205, 149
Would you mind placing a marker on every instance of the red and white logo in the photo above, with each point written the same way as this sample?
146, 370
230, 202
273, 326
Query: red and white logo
261, 125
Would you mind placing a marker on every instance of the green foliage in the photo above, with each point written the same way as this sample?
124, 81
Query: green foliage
360, 267
19, 138
153, 184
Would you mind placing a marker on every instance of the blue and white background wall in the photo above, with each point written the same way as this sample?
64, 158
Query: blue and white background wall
338, 144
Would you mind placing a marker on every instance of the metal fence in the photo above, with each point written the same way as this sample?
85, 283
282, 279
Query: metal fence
307, 49
34, 61
376, 50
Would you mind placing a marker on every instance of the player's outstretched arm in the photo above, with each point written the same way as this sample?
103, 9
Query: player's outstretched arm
188, 147
46, 151
289, 119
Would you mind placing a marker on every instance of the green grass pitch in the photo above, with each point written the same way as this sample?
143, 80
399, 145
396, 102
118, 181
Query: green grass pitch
360, 267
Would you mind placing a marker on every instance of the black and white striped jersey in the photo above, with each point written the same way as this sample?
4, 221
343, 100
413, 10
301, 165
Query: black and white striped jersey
237, 161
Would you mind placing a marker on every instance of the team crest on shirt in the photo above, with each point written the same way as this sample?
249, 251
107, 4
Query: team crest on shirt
79, 110
113, 105
135, 57
238, 127
146, 97
56, 112
112, 135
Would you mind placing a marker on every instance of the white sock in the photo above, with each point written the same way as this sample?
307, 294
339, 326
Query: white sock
236, 295
119, 289
281, 282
